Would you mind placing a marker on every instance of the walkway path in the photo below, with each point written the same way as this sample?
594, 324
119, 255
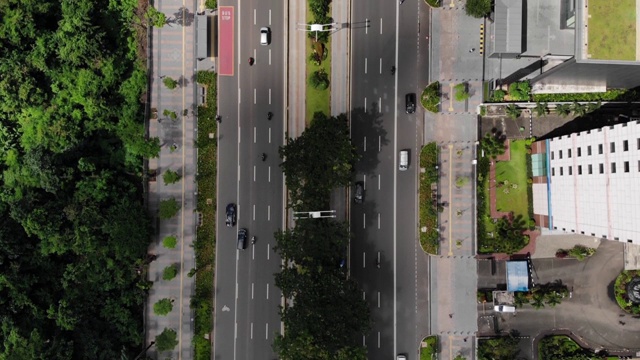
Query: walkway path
296, 76
173, 56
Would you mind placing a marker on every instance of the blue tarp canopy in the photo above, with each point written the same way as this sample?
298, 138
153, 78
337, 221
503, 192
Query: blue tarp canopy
518, 275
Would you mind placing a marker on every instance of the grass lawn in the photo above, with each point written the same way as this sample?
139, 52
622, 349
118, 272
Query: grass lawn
612, 29
515, 172
317, 100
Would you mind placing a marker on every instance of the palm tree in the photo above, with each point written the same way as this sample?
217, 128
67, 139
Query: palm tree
563, 110
553, 298
538, 300
579, 109
513, 111
541, 109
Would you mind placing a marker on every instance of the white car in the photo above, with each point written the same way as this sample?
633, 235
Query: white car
401, 357
265, 36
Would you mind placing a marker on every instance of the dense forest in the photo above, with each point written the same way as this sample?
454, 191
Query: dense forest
73, 229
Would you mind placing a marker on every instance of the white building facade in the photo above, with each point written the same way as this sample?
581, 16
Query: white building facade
593, 183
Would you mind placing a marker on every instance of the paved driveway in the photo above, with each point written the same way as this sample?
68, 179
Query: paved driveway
592, 313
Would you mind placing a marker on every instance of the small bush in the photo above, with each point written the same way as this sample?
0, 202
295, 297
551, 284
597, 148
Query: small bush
171, 177
520, 91
166, 340
461, 92
168, 208
170, 272
170, 83
170, 114
461, 181
498, 95
163, 307
170, 242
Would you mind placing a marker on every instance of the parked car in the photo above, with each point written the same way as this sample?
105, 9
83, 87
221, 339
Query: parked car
358, 196
401, 357
242, 239
231, 215
505, 308
403, 164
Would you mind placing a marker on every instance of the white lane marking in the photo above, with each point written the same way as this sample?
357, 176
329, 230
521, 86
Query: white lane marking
267, 291
254, 173
268, 256
380, 105
378, 181
364, 182
254, 135
254, 212
364, 221
379, 142
269, 173
378, 298
364, 260
238, 173
378, 339
364, 340
366, 28
365, 104
269, 135
269, 56
239, 137
380, 65
365, 144
267, 331
395, 193
365, 65
254, 16
269, 93
269, 213
269, 17
252, 330
363, 296
380, 26
239, 95
378, 221
253, 252
235, 331
252, 291
236, 282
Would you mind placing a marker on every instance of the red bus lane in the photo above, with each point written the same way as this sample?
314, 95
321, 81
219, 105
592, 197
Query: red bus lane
226, 38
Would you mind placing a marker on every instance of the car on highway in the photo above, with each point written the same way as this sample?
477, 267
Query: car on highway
403, 164
410, 103
265, 36
242, 239
231, 215
358, 196
401, 357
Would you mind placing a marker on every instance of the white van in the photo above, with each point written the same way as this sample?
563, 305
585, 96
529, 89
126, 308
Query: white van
404, 160
505, 308
265, 33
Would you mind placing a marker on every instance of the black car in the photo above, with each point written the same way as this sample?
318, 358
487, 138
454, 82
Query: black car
410, 100
358, 197
231, 215
242, 239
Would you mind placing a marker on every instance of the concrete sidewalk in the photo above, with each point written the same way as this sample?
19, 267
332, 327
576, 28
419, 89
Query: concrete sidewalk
296, 73
341, 57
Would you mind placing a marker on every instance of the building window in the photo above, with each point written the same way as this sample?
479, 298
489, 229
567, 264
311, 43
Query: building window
569, 153
579, 152
589, 149
601, 168
561, 172
559, 154
552, 155
626, 166
638, 143
579, 169
625, 145
600, 149
570, 170
553, 170
613, 168
629, 240
590, 169
612, 147
638, 165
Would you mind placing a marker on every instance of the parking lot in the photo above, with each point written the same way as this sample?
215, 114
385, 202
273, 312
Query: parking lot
591, 312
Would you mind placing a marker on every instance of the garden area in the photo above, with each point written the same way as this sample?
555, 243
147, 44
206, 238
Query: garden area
502, 232
429, 235
429, 348
612, 29
563, 347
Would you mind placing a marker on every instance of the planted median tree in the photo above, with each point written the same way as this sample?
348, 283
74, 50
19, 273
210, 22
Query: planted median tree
430, 97
170, 272
169, 83
461, 92
171, 177
319, 79
170, 242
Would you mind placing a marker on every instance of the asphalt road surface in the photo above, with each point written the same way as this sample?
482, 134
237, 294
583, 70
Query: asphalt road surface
385, 34
246, 309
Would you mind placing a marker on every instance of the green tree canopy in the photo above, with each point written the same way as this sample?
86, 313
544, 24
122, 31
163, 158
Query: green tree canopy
170, 272
163, 307
171, 177
478, 8
168, 208
499, 348
166, 340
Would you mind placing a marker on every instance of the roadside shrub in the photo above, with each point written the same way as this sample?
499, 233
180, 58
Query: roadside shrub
520, 91
581, 252
170, 83
163, 307
429, 207
168, 208
498, 95
609, 95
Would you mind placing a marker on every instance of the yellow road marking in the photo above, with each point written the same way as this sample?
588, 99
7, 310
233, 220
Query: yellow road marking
451, 97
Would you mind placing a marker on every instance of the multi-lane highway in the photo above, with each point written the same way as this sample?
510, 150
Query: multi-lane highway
246, 308
385, 224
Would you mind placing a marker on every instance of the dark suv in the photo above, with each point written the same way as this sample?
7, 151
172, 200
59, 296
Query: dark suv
231, 215
242, 239
410, 100
358, 196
